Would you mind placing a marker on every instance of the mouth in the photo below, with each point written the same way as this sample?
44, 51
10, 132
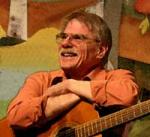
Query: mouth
68, 54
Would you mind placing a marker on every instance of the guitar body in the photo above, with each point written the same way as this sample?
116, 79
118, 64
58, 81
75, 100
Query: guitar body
5, 130
79, 114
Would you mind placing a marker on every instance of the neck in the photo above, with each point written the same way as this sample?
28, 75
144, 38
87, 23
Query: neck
79, 73
75, 74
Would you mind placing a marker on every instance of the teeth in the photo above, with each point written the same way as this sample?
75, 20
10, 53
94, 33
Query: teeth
68, 54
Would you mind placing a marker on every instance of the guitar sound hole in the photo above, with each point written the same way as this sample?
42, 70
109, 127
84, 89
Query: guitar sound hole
66, 132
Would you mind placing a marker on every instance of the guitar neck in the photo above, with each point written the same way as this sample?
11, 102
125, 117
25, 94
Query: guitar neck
96, 126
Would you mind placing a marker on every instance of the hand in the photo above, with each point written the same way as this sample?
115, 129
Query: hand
59, 89
80, 88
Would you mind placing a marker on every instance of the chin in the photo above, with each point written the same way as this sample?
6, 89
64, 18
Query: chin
67, 67
68, 64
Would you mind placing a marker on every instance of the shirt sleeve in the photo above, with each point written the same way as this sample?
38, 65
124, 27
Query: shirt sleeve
119, 88
27, 107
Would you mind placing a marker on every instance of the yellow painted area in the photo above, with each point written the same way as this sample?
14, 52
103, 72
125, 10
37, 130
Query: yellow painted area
39, 52
2, 32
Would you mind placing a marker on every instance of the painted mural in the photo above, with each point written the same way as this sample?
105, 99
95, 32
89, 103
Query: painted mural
135, 30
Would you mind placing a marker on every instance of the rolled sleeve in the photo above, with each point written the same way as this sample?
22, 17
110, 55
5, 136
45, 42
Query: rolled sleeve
27, 107
118, 88
24, 113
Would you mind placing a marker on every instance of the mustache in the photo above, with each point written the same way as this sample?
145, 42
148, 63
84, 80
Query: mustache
67, 50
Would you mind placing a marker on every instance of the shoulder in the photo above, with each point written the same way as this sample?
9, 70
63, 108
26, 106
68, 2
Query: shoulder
44, 74
39, 74
119, 73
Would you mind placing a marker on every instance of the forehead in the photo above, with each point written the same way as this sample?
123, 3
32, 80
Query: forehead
76, 26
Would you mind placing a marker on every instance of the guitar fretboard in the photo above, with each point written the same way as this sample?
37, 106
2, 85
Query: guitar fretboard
96, 126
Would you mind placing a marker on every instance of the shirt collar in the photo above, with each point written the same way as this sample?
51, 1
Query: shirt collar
60, 75
57, 77
95, 73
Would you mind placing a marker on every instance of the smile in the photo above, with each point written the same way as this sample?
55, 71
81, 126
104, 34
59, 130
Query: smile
68, 54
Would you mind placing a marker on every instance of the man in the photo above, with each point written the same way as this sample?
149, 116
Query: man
83, 45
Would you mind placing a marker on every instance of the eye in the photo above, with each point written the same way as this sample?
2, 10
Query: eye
61, 36
78, 37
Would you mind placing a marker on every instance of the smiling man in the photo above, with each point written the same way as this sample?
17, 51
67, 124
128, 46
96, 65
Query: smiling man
84, 43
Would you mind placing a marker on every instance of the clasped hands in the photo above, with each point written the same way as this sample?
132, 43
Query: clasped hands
70, 86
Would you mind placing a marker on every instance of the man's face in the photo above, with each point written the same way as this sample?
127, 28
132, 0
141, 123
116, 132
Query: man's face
78, 54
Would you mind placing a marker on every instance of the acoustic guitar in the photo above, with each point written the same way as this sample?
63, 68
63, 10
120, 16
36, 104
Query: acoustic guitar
83, 121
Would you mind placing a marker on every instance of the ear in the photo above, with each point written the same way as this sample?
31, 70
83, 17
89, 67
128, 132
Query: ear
102, 50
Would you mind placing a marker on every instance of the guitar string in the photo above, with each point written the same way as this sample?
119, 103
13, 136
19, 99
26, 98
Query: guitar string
126, 115
68, 132
128, 112
79, 130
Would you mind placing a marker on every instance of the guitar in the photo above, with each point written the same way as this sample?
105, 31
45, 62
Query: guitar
84, 121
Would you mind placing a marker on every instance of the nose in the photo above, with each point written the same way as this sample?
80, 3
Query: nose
66, 43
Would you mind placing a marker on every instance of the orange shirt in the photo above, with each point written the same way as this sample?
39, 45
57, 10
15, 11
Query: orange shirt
115, 87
